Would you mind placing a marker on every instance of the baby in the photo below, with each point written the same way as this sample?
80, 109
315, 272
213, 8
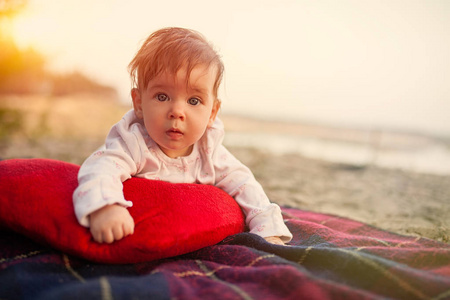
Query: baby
172, 134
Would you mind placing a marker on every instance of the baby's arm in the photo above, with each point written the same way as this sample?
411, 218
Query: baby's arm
100, 179
111, 223
262, 217
100, 183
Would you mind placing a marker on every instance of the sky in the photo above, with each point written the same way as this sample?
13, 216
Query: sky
375, 64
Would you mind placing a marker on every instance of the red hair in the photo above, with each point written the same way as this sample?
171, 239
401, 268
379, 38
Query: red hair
170, 49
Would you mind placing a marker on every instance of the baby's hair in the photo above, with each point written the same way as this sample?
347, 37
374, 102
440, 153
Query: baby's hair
170, 49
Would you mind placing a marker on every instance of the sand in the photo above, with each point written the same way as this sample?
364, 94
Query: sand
402, 201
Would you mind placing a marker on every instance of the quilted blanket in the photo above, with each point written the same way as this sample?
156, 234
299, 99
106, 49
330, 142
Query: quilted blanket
329, 258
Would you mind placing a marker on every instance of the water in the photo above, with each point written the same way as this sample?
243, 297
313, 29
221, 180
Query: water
360, 148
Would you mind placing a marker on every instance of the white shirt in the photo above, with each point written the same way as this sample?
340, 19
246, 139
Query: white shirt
129, 151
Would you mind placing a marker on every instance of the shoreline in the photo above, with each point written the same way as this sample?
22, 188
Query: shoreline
359, 147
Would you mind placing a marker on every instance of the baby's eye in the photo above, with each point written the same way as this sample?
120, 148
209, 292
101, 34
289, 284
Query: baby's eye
162, 97
194, 101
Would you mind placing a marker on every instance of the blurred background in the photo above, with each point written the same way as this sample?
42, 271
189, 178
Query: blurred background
377, 67
337, 106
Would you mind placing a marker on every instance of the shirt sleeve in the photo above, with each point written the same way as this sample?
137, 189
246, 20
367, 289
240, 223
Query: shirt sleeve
261, 216
101, 175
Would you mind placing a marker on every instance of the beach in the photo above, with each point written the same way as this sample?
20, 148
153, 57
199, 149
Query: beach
378, 177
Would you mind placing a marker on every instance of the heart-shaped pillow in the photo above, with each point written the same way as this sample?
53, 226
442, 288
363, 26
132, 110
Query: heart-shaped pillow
170, 219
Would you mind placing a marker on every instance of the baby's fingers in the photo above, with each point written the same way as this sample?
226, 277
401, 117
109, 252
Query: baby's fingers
121, 230
128, 228
97, 235
117, 233
274, 240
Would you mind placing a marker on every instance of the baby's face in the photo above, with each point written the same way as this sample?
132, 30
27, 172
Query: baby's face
176, 112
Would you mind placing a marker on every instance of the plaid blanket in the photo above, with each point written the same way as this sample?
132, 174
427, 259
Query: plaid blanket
329, 258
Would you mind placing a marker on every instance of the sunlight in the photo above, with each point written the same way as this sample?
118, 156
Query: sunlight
32, 28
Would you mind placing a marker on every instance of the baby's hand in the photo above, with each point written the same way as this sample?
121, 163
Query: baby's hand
111, 223
274, 240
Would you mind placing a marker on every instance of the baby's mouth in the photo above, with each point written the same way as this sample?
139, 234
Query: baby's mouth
174, 133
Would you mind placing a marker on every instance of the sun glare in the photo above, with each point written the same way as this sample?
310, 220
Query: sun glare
28, 29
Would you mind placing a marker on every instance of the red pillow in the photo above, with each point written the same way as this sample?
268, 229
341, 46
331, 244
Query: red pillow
170, 219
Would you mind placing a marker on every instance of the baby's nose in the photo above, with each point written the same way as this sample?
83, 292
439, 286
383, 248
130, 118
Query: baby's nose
177, 112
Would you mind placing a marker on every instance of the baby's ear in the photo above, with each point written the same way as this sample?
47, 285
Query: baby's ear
215, 110
137, 102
